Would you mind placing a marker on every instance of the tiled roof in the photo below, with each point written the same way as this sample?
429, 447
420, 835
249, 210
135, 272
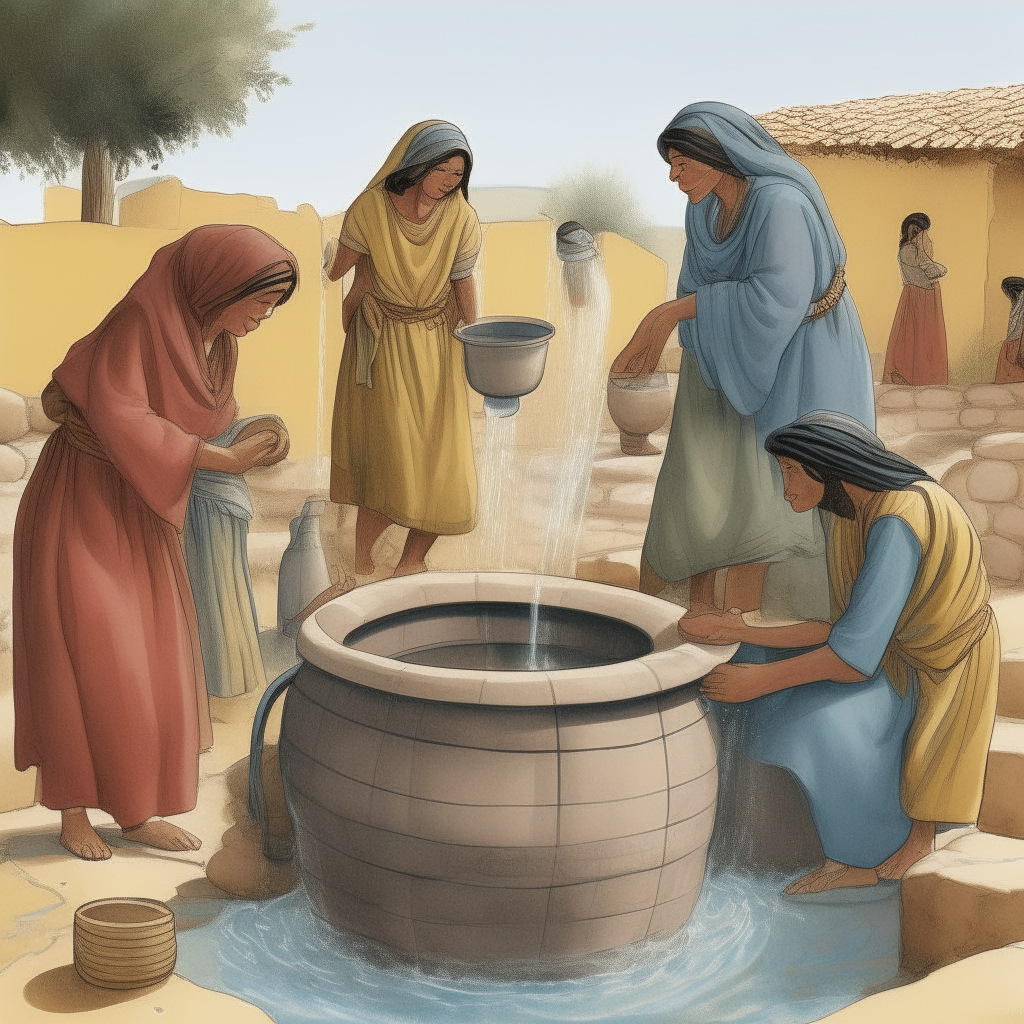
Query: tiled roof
991, 118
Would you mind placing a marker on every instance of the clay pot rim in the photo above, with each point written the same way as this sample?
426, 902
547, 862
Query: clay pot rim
83, 918
672, 664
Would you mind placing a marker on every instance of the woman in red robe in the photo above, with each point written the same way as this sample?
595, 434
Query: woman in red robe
109, 691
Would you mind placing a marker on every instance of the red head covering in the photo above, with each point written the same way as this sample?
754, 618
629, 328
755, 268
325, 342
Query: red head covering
142, 379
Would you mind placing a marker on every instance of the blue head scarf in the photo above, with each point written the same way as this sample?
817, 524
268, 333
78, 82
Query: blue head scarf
433, 142
755, 154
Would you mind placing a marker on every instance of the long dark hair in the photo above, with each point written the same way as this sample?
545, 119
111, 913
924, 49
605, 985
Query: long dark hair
697, 144
831, 455
1012, 287
914, 220
398, 181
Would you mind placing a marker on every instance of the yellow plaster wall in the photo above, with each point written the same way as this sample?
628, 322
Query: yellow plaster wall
62, 203
57, 282
638, 280
1006, 247
869, 198
516, 257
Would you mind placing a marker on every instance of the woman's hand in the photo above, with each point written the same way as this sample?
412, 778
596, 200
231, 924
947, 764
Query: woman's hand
241, 456
714, 627
734, 684
642, 354
254, 451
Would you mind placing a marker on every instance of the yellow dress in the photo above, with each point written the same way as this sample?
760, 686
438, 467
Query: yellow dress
400, 440
948, 634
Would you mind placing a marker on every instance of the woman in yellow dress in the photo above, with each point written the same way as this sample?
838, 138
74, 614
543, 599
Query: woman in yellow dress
401, 447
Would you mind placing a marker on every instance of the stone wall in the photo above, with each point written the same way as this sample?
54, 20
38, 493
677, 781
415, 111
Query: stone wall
990, 486
984, 408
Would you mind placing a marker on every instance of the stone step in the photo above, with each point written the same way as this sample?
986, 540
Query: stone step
1002, 804
1011, 685
961, 900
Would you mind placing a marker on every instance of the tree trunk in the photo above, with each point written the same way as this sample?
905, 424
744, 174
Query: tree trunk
97, 184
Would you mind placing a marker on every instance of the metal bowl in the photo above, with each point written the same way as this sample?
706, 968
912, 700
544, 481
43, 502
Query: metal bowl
505, 355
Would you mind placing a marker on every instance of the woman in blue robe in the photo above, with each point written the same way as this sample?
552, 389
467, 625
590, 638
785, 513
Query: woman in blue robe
769, 332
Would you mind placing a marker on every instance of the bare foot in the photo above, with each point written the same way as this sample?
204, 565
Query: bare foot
365, 566
832, 875
409, 570
161, 834
77, 835
919, 844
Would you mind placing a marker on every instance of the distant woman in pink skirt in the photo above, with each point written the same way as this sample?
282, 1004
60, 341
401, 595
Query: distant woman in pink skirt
917, 342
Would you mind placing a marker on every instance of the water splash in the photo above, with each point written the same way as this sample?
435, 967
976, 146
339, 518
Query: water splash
748, 955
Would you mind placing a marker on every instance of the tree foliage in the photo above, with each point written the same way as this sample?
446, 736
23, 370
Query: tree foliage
144, 77
600, 200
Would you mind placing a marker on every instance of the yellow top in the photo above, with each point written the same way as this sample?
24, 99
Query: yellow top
947, 632
401, 441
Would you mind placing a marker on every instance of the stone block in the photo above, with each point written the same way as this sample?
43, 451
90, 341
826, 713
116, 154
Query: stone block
13, 416
974, 418
1003, 559
938, 419
1007, 446
1011, 685
37, 419
961, 900
897, 424
12, 464
990, 396
940, 398
898, 399
1002, 804
1008, 522
993, 480
1010, 419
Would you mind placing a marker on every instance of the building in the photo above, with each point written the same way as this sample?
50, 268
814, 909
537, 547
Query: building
957, 156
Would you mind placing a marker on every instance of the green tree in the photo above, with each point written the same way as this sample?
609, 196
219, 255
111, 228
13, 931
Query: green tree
123, 82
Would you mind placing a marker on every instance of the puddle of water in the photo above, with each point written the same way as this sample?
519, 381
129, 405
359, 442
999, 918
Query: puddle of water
748, 955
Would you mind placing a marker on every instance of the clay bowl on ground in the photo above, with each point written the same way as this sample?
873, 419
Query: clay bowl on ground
124, 942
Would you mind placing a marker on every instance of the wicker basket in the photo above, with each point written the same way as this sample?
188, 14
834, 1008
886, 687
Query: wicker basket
124, 942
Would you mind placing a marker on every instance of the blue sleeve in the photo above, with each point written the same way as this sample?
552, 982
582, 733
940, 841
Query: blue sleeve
880, 592
743, 327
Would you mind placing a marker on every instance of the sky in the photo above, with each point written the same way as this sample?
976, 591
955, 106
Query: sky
543, 89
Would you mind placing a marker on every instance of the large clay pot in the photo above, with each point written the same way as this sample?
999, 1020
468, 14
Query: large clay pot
124, 942
479, 813
638, 406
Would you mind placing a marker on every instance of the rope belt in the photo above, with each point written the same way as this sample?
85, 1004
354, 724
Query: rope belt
830, 299
59, 408
435, 317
